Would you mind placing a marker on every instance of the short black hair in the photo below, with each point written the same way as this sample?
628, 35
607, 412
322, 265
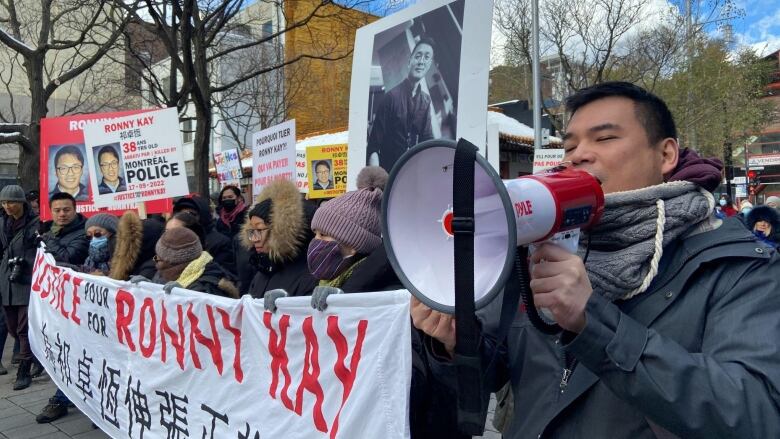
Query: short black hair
69, 149
33, 195
108, 149
425, 40
62, 196
650, 110
236, 190
325, 163
192, 222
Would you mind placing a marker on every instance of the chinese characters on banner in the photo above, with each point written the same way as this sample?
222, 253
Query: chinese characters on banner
143, 363
228, 164
64, 166
142, 155
327, 167
273, 155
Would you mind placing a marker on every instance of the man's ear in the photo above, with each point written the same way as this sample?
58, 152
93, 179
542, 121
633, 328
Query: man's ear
670, 155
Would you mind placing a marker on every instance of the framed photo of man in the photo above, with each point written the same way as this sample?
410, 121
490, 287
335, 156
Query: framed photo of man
109, 168
68, 172
417, 75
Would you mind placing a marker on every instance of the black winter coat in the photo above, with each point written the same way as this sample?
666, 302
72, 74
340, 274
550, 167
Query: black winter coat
230, 230
22, 244
293, 277
214, 280
218, 245
71, 244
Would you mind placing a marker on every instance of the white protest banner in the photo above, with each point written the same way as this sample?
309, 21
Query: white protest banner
141, 153
142, 363
273, 155
228, 165
547, 158
301, 171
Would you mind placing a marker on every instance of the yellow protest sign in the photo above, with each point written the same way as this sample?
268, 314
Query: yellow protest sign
327, 167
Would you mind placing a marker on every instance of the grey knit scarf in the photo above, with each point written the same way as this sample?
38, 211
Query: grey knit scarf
627, 244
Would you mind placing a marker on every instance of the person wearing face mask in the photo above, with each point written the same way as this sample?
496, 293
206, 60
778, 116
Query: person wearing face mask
231, 211
347, 250
764, 222
744, 209
726, 207
277, 232
101, 229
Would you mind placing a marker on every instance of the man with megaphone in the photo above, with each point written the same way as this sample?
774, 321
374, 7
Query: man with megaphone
671, 326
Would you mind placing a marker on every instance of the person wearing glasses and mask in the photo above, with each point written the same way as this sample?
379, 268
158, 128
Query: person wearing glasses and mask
278, 230
108, 161
69, 167
101, 231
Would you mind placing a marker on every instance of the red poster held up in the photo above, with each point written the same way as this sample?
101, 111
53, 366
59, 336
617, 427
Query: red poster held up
63, 164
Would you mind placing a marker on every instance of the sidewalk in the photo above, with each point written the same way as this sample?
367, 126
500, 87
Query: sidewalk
19, 408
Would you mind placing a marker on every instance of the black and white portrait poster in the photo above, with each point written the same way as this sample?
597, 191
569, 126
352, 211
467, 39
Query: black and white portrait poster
417, 75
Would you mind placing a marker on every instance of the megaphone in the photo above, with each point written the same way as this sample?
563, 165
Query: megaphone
417, 220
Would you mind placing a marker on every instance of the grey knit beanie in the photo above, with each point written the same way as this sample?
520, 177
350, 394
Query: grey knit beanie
352, 219
104, 220
13, 192
773, 199
178, 245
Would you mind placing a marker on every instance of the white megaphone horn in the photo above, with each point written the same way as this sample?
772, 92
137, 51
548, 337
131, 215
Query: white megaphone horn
417, 220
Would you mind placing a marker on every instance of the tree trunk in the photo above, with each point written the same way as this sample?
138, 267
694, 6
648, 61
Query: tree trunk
201, 148
29, 155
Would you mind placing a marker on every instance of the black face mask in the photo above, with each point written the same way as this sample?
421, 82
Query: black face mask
229, 205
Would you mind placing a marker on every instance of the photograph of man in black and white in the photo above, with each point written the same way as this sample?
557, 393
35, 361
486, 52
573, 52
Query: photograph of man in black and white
414, 84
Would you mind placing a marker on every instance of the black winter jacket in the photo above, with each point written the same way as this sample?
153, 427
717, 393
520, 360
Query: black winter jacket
70, 245
293, 277
22, 244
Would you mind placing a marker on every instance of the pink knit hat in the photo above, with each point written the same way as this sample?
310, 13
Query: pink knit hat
352, 219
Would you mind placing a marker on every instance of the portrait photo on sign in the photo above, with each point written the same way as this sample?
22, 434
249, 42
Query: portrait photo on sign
109, 168
323, 172
67, 171
413, 89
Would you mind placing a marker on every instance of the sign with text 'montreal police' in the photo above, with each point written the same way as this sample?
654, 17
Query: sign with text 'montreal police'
141, 153
141, 363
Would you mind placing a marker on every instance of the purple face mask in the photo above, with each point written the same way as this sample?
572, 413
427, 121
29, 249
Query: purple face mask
325, 260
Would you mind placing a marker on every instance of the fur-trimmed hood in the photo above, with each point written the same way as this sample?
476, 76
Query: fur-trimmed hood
290, 222
135, 241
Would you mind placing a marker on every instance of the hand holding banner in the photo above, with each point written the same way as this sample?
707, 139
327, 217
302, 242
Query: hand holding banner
143, 363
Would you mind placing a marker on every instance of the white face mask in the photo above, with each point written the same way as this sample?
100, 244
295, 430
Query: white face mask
722, 202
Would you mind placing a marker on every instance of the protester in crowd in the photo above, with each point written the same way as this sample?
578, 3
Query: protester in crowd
101, 231
773, 202
727, 206
18, 236
764, 222
66, 239
190, 221
217, 244
231, 211
65, 236
744, 209
347, 250
278, 231
678, 340
134, 251
180, 258
33, 199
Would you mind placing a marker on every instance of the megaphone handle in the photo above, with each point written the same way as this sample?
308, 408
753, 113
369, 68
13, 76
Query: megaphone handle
521, 265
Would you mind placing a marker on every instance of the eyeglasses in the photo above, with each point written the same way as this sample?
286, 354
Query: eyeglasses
97, 235
110, 165
69, 169
322, 172
257, 234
